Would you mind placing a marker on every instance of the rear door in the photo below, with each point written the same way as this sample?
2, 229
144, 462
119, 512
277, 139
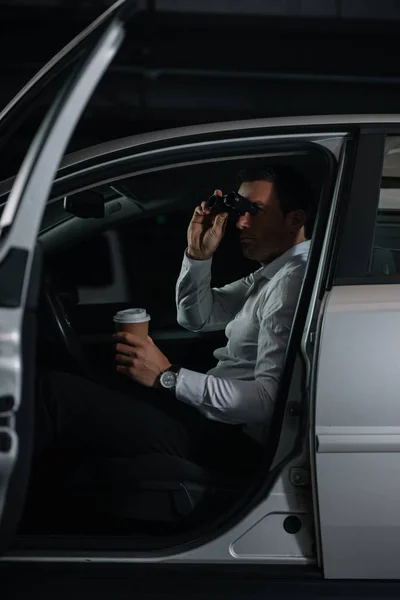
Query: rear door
20, 268
357, 376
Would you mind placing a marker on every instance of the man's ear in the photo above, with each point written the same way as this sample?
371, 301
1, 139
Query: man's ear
297, 219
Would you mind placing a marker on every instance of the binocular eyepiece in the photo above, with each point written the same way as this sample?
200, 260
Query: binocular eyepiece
232, 203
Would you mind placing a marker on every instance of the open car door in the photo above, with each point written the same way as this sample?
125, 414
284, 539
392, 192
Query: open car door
20, 259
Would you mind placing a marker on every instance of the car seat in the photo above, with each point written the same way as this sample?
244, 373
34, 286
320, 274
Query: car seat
154, 488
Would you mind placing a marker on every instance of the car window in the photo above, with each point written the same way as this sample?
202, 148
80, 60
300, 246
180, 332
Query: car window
385, 258
137, 261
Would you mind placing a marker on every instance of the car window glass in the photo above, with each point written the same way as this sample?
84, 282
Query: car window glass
385, 258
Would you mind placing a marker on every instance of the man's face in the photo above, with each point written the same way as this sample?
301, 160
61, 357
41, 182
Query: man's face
269, 233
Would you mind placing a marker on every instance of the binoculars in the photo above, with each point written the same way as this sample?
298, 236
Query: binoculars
232, 203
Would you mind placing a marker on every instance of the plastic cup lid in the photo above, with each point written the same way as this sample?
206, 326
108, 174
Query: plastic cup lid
132, 315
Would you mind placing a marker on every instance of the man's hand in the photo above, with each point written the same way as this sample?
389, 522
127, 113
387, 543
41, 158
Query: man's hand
205, 231
139, 359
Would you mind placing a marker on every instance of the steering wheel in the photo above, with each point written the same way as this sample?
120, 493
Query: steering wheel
61, 326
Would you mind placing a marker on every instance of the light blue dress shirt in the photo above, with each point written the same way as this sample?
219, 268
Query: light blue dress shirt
257, 314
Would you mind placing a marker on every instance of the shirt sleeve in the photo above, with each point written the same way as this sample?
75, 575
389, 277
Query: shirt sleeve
202, 308
249, 402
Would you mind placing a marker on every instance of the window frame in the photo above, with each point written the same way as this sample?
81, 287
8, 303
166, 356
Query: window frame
355, 237
233, 149
176, 155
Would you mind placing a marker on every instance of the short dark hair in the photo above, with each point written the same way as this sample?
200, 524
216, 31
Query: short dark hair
292, 189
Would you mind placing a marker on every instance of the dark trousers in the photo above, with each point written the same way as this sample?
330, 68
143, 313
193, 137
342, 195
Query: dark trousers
77, 417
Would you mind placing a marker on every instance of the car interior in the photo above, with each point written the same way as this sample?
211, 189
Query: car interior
156, 495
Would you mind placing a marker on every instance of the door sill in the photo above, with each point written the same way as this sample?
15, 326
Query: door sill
119, 549
36, 562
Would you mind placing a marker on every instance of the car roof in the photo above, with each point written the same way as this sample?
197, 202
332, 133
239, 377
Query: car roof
133, 141
222, 127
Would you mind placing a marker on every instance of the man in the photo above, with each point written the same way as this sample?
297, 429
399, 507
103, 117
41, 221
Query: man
218, 418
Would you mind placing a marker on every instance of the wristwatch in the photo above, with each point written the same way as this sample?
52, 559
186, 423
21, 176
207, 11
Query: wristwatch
169, 377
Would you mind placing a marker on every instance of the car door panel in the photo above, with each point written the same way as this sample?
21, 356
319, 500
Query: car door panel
15, 474
19, 227
358, 433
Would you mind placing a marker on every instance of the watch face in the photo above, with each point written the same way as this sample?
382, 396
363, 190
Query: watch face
168, 379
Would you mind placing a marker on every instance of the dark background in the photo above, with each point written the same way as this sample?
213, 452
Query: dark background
196, 61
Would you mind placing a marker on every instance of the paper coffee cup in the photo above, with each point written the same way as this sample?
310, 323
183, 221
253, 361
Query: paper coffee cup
133, 320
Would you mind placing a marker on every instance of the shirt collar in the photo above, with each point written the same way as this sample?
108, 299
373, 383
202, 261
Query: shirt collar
273, 267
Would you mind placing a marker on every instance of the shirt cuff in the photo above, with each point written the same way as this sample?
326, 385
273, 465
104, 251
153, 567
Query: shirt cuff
196, 265
190, 387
